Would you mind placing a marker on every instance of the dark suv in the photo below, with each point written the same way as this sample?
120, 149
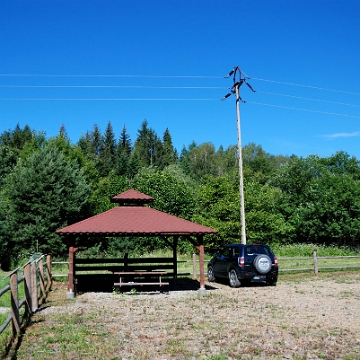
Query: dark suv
243, 264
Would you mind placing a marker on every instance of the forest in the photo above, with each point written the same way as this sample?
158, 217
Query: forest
48, 183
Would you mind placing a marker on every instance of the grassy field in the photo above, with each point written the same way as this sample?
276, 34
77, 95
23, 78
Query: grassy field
304, 317
294, 257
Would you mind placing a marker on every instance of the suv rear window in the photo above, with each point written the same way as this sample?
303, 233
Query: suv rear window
257, 250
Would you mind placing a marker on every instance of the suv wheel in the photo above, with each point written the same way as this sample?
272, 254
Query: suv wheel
233, 279
211, 276
271, 283
262, 264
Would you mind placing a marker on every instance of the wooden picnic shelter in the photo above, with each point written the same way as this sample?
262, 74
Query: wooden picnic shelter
133, 217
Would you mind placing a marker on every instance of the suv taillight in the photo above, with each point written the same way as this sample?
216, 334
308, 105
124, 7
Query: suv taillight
241, 261
276, 263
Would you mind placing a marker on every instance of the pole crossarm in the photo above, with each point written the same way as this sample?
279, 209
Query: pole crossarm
237, 83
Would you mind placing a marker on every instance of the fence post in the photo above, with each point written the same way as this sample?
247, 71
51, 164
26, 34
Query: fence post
49, 274
316, 268
194, 266
41, 276
27, 287
15, 304
34, 291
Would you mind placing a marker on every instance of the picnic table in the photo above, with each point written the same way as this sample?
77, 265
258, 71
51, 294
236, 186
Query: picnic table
134, 276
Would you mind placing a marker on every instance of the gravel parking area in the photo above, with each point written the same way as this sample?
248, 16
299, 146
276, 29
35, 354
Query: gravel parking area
304, 317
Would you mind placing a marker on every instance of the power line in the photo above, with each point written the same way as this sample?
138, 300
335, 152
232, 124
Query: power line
174, 99
307, 86
307, 110
113, 86
115, 76
310, 99
104, 99
174, 77
164, 87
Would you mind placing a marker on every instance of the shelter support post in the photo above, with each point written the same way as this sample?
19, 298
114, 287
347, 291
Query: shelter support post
71, 274
176, 238
200, 247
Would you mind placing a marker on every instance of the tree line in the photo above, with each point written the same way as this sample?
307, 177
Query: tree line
48, 183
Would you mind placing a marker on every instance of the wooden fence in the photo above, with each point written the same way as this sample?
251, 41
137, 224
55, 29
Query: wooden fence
318, 263
37, 282
286, 264
302, 264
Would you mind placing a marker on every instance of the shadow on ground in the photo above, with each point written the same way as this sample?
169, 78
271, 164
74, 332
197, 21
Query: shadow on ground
105, 283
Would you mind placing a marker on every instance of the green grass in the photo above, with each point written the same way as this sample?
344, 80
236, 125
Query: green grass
300, 256
107, 333
299, 250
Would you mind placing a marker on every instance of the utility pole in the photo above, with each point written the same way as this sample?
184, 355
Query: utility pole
235, 89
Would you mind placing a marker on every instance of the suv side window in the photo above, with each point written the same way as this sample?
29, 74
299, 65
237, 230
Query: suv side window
225, 253
236, 252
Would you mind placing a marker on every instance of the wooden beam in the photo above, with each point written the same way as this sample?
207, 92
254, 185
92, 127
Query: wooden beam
71, 274
176, 238
15, 304
200, 247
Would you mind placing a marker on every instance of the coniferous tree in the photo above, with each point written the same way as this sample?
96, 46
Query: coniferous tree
96, 141
63, 132
44, 192
184, 158
169, 156
17, 138
134, 165
106, 159
123, 153
12, 144
85, 145
148, 146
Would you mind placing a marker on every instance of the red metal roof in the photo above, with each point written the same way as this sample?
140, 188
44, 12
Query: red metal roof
132, 196
135, 220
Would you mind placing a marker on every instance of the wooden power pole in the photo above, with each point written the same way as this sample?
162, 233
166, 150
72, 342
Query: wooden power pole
235, 89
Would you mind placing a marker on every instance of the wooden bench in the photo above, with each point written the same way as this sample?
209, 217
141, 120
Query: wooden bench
143, 274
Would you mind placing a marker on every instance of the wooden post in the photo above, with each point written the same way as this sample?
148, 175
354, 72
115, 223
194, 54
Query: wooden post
42, 281
202, 264
15, 304
175, 259
48, 270
27, 287
200, 247
71, 275
126, 261
34, 290
194, 267
316, 268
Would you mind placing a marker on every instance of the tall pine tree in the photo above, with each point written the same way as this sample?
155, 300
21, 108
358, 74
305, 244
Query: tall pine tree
123, 154
106, 160
169, 156
148, 147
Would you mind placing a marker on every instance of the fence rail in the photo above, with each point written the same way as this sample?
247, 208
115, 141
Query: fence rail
316, 263
287, 264
37, 282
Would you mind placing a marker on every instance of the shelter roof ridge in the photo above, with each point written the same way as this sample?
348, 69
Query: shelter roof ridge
132, 196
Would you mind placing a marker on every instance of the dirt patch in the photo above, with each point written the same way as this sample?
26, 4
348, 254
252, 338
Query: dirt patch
304, 318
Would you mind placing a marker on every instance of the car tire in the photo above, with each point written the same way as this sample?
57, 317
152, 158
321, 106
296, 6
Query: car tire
211, 276
233, 279
271, 283
262, 264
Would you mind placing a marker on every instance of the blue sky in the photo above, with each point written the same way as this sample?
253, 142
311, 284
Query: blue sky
81, 63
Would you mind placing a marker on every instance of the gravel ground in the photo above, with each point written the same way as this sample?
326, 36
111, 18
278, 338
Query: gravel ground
301, 318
